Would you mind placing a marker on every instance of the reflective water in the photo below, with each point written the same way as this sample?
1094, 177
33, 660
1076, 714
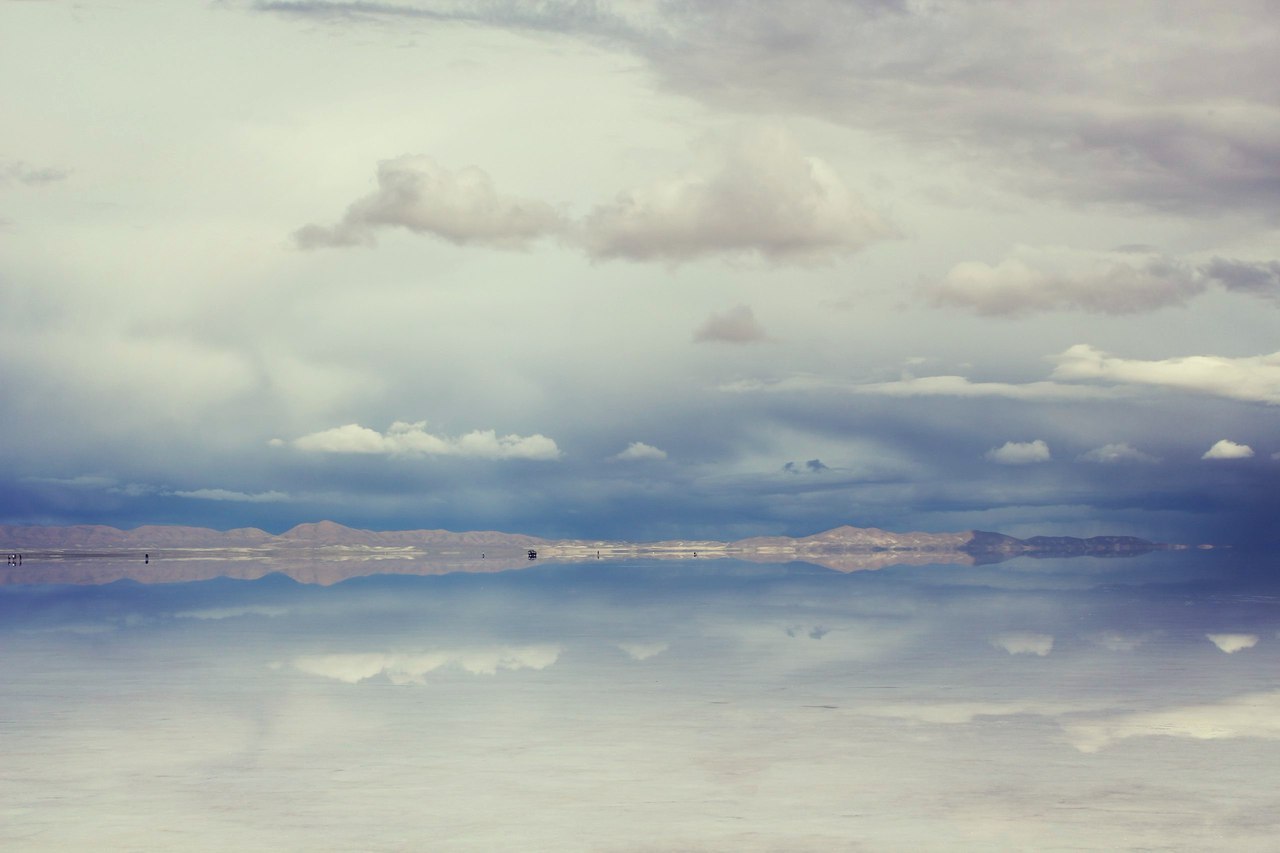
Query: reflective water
1127, 704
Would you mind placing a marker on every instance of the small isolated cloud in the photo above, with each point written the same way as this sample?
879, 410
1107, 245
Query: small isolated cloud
412, 439
1116, 454
1232, 643
1019, 453
1254, 715
417, 193
754, 193
736, 326
1227, 449
1253, 379
32, 176
643, 651
413, 667
813, 466
1024, 643
640, 450
227, 495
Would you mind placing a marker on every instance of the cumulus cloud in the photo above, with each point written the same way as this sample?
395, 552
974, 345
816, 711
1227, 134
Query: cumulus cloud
1253, 378
640, 450
412, 439
462, 206
413, 667
1115, 454
754, 193
1019, 453
736, 326
1232, 643
1227, 449
1251, 715
1023, 643
227, 495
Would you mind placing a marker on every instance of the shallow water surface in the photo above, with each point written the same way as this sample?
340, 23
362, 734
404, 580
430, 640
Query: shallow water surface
691, 705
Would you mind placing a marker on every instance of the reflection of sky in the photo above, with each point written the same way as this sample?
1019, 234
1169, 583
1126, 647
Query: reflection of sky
1035, 703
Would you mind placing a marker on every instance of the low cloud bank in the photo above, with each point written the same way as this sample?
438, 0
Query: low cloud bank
412, 439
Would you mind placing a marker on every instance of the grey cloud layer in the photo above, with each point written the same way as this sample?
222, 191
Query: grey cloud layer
1051, 97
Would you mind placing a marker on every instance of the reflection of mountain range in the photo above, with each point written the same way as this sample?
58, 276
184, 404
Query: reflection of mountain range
326, 552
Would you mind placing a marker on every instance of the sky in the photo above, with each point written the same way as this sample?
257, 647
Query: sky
642, 270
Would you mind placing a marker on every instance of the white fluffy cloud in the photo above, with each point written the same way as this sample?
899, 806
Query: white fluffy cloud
1114, 454
413, 667
1254, 378
1227, 449
412, 439
417, 193
1232, 643
1024, 643
753, 193
640, 450
1019, 453
738, 325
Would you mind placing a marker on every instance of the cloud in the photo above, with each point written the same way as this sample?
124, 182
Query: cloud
1019, 453
413, 667
1024, 643
753, 193
1261, 278
640, 450
32, 176
412, 439
1251, 715
1113, 454
1253, 379
736, 326
226, 495
1232, 643
1227, 449
1104, 284
462, 206
927, 386
643, 651
813, 466
1127, 280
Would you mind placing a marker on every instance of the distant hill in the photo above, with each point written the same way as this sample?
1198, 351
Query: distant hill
329, 534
